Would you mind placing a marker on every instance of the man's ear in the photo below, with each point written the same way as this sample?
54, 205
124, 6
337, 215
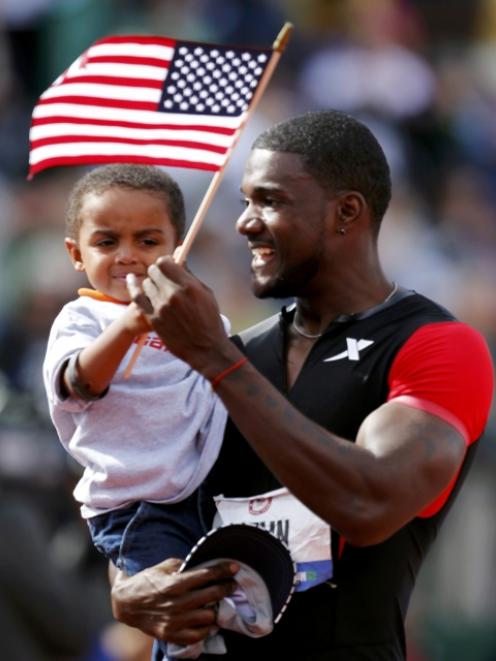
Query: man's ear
351, 206
74, 253
349, 209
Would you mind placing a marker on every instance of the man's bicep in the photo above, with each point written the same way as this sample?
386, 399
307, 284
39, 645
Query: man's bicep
419, 454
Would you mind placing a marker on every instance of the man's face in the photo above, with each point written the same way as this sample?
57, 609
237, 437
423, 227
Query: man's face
284, 223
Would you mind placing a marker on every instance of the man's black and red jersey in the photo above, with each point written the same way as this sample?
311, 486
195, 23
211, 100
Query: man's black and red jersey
410, 350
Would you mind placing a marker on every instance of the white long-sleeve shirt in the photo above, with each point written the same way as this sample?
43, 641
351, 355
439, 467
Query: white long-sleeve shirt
153, 437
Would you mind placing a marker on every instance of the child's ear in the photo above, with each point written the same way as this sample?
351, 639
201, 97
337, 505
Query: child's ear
74, 253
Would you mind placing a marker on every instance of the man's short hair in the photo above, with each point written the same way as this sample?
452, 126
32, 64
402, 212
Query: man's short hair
340, 152
131, 177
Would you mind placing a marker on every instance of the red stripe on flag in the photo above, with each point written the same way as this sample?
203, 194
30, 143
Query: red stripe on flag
61, 119
97, 101
91, 159
131, 141
128, 59
116, 80
139, 39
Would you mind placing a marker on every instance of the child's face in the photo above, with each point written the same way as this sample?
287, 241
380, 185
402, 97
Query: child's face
122, 231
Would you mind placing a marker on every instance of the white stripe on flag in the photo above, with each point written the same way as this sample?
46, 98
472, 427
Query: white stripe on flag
117, 149
124, 115
95, 91
119, 70
131, 48
44, 131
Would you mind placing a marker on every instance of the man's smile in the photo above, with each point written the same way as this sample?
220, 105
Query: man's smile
261, 255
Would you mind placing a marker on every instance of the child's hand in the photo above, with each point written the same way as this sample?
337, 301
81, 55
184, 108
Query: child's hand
135, 321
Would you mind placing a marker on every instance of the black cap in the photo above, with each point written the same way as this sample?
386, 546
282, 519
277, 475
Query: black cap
255, 547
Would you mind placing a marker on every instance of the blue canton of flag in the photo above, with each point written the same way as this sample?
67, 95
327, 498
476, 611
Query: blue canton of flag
212, 80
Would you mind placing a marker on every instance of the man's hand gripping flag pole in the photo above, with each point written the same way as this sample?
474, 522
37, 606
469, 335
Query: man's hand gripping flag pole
182, 253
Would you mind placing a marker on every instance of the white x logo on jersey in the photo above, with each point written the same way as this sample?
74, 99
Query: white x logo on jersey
352, 351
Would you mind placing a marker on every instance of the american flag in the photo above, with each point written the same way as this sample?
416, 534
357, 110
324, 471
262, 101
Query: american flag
146, 99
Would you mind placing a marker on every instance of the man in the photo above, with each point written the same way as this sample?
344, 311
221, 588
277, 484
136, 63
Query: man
364, 399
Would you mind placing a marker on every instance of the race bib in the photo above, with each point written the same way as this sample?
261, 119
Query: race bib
304, 533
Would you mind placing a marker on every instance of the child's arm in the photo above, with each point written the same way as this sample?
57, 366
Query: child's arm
97, 363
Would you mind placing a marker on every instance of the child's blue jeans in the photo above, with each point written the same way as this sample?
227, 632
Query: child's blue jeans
143, 534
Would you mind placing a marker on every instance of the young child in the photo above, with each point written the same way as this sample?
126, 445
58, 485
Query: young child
147, 442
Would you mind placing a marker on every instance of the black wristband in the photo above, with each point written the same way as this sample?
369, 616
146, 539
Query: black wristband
81, 390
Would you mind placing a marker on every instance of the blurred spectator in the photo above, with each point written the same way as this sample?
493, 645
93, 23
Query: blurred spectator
368, 69
45, 613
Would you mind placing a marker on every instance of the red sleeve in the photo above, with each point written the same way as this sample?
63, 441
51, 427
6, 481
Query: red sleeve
445, 369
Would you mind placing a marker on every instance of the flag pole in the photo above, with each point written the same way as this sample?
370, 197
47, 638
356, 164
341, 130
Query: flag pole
277, 49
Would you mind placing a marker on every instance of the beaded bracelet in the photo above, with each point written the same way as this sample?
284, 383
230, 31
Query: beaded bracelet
232, 368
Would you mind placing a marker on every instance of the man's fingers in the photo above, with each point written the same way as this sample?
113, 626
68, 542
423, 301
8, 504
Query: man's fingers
204, 597
194, 587
150, 290
162, 279
137, 294
158, 287
132, 285
215, 574
165, 278
170, 565
184, 636
171, 270
179, 607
